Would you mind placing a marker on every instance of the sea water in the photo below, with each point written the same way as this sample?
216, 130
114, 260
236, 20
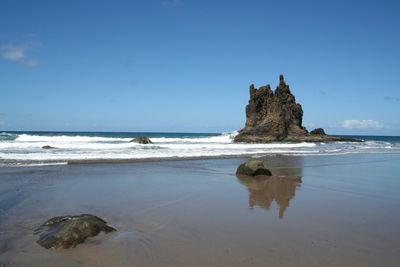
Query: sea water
25, 148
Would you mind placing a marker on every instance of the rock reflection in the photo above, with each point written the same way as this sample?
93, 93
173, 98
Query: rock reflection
263, 191
281, 187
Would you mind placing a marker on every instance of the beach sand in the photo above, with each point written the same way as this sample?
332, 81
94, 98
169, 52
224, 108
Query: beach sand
344, 212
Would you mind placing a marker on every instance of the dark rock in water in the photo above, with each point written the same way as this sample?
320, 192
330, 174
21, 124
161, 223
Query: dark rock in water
318, 131
69, 231
48, 147
276, 116
141, 140
253, 168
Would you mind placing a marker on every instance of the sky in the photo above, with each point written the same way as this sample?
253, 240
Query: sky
186, 66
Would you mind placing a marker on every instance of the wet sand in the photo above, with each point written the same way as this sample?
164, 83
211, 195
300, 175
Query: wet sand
345, 211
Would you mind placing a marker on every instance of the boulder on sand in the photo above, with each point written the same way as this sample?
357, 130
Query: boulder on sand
69, 231
141, 140
253, 168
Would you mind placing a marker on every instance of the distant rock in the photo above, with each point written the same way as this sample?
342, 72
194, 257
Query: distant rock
273, 116
318, 131
253, 168
69, 231
47, 147
141, 140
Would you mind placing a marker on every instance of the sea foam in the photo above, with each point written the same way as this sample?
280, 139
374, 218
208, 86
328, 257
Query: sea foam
26, 148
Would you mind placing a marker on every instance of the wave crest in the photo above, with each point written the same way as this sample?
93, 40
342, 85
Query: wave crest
8, 136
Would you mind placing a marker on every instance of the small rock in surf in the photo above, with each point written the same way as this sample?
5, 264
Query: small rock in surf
141, 140
48, 147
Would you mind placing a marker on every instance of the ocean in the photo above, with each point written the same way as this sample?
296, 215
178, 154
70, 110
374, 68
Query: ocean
25, 148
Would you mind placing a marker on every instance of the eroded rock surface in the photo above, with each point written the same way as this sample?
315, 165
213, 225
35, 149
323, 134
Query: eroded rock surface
318, 131
276, 116
253, 168
69, 231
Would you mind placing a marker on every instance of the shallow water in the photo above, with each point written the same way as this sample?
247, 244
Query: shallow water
344, 212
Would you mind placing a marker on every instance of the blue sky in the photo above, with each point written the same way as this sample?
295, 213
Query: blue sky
180, 65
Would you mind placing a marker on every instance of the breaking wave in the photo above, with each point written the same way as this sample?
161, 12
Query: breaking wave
26, 148
7, 136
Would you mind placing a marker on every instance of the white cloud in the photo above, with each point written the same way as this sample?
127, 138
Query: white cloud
391, 98
19, 54
361, 124
13, 53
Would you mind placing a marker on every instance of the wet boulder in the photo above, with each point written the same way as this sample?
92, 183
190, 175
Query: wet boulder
141, 140
69, 231
253, 168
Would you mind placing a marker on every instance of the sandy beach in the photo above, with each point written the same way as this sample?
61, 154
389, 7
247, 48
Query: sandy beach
344, 212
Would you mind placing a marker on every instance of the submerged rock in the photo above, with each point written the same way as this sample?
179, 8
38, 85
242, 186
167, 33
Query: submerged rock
69, 231
318, 131
141, 140
253, 168
48, 147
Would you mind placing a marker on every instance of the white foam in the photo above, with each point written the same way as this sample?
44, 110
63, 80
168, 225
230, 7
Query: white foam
66, 139
28, 147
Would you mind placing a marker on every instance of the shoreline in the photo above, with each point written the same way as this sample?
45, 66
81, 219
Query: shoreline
195, 158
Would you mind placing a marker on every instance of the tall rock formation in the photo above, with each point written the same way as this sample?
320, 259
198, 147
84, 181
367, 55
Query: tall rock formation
276, 116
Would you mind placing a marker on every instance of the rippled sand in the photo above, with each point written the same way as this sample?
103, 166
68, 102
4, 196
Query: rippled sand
315, 211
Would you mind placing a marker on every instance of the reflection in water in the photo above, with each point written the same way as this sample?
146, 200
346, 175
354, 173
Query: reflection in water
280, 187
263, 191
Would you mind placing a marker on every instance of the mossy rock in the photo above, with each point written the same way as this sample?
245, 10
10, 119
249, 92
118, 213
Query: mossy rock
69, 231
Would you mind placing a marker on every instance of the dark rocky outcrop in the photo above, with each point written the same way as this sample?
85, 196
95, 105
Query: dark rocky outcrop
47, 147
141, 140
318, 131
276, 116
69, 231
253, 168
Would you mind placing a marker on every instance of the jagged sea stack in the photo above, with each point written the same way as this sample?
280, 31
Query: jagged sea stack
276, 116
272, 116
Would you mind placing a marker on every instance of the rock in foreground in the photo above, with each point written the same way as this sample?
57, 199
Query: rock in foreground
141, 140
69, 231
253, 168
273, 116
47, 147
